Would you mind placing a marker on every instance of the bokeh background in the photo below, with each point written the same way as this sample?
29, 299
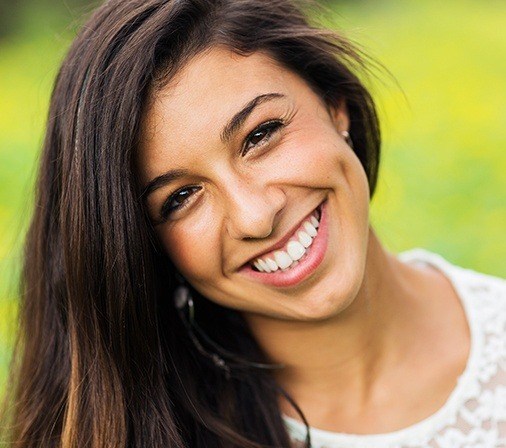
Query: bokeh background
442, 179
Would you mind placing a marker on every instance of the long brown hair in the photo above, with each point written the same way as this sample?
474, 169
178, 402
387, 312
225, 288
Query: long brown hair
102, 358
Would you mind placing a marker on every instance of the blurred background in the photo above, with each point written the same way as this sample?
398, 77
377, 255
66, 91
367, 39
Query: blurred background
442, 179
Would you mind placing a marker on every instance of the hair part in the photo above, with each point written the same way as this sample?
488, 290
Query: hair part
102, 358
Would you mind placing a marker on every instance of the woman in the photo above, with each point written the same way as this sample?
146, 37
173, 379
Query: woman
200, 270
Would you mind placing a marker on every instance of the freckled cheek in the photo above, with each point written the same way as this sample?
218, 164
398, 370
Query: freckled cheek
193, 246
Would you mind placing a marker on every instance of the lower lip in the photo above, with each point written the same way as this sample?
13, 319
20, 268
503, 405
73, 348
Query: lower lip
306, 266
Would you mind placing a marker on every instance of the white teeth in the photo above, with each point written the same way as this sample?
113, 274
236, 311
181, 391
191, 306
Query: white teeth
305, 239
295, 250
282, 259
264, 266
272, 264
310, 229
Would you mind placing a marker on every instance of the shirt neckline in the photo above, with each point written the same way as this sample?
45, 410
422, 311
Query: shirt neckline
448, 412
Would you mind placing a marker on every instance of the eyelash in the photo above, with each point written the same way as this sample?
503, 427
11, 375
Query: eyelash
166, 207
270, 127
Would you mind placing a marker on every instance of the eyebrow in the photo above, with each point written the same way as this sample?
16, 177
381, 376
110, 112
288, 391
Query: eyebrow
240, 117
162, 180
233, 125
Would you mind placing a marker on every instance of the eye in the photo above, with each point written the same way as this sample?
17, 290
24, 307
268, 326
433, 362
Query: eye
261, 135
177, 200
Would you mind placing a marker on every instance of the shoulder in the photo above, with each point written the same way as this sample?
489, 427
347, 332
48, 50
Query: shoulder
487, 289
483, 298
478, 400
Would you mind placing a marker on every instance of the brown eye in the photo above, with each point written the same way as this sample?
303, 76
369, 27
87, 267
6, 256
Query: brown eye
261, 135
177, 200
257, 137
180, 197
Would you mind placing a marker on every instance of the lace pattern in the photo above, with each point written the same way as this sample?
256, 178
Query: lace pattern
474, 416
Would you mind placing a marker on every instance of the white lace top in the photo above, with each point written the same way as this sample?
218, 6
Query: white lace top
474, 416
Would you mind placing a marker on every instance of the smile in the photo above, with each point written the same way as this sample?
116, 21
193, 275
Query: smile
295, 261
296, 248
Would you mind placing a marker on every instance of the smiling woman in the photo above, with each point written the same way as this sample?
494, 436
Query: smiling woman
201, 270
255, 181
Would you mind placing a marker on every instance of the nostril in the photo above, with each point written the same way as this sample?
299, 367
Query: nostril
259, 237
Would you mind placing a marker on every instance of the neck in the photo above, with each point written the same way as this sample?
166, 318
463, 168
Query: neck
348, 351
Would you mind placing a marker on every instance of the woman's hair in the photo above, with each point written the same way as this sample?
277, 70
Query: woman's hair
102, 358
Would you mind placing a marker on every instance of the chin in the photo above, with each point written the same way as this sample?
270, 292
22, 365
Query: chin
330, 299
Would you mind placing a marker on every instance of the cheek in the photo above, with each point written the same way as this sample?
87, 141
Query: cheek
313, 157
193, 245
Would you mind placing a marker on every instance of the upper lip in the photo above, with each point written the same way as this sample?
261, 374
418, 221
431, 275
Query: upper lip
281, 243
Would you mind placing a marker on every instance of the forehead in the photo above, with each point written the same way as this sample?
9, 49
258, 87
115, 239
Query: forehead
220, 74
193, 107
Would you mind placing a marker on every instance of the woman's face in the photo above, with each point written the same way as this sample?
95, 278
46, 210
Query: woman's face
246, 171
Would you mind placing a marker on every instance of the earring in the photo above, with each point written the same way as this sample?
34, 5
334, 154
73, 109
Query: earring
347, 138
183, 299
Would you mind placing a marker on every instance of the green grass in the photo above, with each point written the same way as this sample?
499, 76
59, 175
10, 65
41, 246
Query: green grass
442, 184
28, 64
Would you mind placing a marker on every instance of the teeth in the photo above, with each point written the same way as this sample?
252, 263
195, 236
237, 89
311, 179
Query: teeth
264, 265
305, 239
310, 229
295, 250
282, 259
272, 264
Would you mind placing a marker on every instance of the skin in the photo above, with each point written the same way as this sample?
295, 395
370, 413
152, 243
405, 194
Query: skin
363, 325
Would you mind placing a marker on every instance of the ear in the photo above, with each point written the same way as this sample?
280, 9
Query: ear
339, 115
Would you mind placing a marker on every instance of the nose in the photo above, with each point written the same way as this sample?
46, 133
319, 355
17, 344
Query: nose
252, 209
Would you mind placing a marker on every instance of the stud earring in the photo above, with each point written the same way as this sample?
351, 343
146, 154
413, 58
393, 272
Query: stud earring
347, 138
